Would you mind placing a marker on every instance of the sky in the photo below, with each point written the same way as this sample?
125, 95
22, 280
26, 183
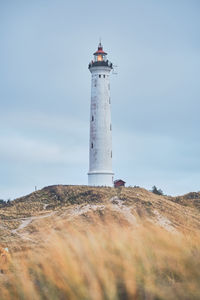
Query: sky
45, 85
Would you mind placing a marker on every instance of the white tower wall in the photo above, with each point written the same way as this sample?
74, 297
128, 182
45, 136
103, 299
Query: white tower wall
100, 160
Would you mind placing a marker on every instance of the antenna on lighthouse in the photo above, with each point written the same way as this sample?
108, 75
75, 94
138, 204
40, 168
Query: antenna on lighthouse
114, 71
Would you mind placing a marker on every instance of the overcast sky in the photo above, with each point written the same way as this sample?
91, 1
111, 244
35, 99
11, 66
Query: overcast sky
45, 48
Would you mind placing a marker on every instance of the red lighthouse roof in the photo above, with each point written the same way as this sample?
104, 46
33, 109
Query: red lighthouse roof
100, 50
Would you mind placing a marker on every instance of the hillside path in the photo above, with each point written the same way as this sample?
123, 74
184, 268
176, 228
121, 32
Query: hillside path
26, 221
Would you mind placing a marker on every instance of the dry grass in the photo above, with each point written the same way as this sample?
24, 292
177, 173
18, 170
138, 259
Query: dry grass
80, 252
103, 259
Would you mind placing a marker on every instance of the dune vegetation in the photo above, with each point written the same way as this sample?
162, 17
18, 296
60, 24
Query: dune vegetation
105, 258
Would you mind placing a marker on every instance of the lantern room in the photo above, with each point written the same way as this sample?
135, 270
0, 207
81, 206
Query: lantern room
100, 59
100, 55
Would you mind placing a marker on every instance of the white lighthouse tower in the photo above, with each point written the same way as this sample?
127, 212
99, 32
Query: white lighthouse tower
100, 161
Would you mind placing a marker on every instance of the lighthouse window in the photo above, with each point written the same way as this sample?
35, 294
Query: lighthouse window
92, 118
92, 145
104, 76
99, 76
109, 100
110, 127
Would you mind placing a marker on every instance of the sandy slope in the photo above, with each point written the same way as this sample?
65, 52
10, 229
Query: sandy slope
55, 204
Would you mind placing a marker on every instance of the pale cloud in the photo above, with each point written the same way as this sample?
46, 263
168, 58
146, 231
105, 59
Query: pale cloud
28, 150
43, 121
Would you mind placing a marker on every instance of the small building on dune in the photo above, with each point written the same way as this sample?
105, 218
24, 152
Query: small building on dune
119, 182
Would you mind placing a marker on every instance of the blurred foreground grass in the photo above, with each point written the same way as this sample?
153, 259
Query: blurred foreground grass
105, 260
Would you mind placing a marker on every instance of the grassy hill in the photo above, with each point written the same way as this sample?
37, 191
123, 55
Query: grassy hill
65, 201
80, 242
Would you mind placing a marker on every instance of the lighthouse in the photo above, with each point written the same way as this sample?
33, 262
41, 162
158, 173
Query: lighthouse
100, 145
